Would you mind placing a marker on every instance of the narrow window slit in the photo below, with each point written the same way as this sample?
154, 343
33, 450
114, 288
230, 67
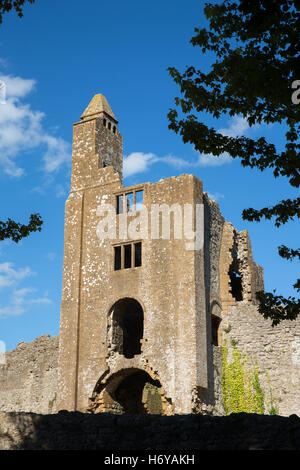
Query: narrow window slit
129, 202
117, 253
215, 324
119, 207
127, 256
137, 254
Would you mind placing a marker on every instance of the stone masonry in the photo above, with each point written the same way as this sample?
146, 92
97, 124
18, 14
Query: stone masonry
145, 316
28, 379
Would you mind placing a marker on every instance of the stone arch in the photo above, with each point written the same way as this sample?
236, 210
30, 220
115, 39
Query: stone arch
129, 391
126, 327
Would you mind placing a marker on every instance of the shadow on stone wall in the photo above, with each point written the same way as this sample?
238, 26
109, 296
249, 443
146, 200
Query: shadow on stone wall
80, 431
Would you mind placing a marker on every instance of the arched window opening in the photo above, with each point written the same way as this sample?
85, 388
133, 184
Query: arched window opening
236, 281
114, 129
127, 327
215, 325
109, 126
104, 122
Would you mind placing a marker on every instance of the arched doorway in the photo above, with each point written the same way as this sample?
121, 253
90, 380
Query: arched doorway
126, 326
138, 393
129, 391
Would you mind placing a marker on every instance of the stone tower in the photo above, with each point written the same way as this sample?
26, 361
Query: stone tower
142, 305
133, 311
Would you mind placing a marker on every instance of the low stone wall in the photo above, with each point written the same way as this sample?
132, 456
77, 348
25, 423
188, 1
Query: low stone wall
28, 379
80, 431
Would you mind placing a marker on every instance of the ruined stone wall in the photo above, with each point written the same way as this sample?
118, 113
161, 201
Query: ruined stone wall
236, 256
28, 379
276, 350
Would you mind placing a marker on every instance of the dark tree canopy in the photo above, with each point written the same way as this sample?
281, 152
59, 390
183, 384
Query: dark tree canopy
256, 46
8, 5
16, 231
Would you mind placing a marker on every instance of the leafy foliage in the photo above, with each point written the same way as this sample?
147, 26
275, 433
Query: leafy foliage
256, 46
240, 386
8, 5
16, 231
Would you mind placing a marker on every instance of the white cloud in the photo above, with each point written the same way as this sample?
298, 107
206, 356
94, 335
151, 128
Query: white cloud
60, 190
20, 299
21, 129
175, 161
17, 87
58, 152
9, 275
139, 162
20, 303
212, 160
237, 126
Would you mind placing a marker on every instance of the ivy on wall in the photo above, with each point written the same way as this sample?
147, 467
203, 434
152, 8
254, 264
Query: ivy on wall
240, 385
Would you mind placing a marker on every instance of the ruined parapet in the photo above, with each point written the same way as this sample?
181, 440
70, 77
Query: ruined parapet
240, 276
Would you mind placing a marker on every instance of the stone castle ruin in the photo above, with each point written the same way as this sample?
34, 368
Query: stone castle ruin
158, 311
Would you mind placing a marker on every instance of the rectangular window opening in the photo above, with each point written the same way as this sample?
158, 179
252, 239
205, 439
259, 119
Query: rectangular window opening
120, 204
139, 200
137, 254
127, 256
129, 202
117, 253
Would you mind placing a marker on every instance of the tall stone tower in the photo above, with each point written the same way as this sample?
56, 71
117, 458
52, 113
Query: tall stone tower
134, 328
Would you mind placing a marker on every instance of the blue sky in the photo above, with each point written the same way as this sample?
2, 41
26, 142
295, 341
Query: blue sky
53, 61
